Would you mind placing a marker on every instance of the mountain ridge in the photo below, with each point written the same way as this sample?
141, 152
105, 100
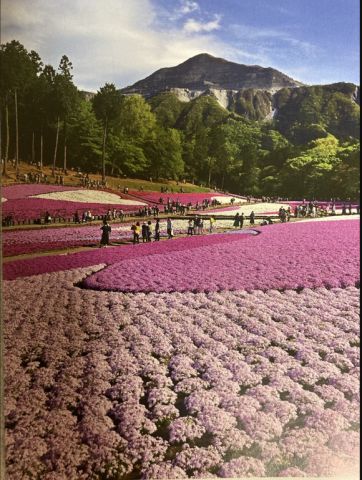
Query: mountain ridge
204, 71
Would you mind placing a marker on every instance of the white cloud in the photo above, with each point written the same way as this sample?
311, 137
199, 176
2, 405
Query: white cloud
188, 6
115, 41
194, 26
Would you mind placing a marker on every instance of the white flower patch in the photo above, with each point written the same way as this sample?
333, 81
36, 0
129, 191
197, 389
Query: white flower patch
247, 208
225, 199
88, 196
3, 199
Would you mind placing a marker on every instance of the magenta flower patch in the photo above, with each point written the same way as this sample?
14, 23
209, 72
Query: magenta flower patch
305, 255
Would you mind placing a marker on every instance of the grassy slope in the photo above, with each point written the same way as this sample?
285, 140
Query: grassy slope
112, 182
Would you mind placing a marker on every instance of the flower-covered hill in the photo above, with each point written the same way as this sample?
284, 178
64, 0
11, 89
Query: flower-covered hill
29, 202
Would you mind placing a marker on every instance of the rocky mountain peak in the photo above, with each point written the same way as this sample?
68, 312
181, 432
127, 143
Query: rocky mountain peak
204, 71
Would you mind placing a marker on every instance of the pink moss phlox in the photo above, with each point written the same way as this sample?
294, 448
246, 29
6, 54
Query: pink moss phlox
304, 255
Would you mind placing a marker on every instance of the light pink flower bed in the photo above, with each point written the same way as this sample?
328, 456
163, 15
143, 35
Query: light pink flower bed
171, 385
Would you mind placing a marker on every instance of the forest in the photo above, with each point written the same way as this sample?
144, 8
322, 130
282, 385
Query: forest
309, 149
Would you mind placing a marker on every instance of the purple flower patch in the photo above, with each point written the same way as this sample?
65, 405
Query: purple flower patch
305, 255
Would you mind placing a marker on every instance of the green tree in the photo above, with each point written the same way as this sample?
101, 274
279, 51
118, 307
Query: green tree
164, 151
18, 70
106, 105
167, 108
85, 138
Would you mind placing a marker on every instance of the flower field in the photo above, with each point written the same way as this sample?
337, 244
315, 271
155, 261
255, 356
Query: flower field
47, 239
226, 355
29, 202
182, 197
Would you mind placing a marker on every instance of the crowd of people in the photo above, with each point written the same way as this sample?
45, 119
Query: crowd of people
315, 209
33, 177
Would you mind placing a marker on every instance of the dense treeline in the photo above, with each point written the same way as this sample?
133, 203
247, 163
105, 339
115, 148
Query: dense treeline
310, 149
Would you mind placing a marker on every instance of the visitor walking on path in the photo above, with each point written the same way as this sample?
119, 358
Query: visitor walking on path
241, 220
190, 228
237, 220
149, 231
144, 232
252, 218
157, 230
201, 226
136, 232
212, 224
106, 230
169, 228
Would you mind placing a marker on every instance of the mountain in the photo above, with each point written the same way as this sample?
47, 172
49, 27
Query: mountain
257, 93
204, 73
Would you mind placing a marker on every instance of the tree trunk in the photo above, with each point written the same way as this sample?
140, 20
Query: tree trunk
65, 148
6, 157
209, 177
33, 147
41, 149
16, 132
56, 147
104, 152
65, 158
222, 181
1, 136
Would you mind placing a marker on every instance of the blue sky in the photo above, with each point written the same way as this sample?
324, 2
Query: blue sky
122, 41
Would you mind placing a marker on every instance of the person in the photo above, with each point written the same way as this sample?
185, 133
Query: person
149, 230
241, 220
106, 230
48, 218
198, 224
136, 232
144, 232
169, 228
344, 209
157, 230
201, 226
190, 228
350, 208
236, 223
212, 223
76, 217
252, 218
